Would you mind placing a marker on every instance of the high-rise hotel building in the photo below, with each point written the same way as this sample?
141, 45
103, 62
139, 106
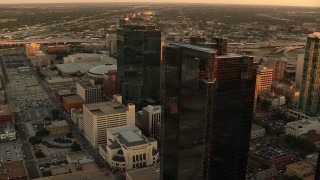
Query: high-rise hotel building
207, 103
138, 74
97, 117
310, 84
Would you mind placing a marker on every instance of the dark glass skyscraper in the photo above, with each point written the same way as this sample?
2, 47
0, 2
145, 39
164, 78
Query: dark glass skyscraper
309, 101
207, 103
138, 76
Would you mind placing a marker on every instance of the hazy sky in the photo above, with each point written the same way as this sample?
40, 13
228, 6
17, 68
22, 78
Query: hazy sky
262, 2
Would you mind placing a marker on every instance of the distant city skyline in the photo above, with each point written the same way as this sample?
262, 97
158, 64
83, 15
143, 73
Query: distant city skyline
252, 2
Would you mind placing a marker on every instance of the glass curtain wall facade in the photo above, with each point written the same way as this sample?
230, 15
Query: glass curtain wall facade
310, 84
138, 74
206, 122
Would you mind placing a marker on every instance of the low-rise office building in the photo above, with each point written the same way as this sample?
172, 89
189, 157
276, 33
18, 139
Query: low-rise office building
58, 127
257, 131
77, 117
151, 172
72, 102
297, 128
268, 95
302, 169
7, 132
5, 114
128, 149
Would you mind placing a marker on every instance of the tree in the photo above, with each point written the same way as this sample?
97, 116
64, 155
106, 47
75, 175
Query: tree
35, 140
42, 132
75, 147
55, 113
69, 135
265, 105
39, 154
300, 143
47, 119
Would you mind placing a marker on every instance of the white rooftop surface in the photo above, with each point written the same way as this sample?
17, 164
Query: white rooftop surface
131, 136
102, 69
80, 66
300, 122
116, 130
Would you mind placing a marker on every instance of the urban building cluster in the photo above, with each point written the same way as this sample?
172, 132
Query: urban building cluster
173, 104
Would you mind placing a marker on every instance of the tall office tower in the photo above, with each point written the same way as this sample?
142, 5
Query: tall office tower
317, 174
318, 25
279, 68
299, 69
89, 92
207, 104
97, 117
220, 44
310, 84
139, 48
263, 79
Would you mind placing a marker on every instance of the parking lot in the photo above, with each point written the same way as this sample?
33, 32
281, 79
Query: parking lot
14, 61
10, 151
37, 114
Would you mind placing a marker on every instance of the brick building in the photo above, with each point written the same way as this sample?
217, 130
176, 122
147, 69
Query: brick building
72, 102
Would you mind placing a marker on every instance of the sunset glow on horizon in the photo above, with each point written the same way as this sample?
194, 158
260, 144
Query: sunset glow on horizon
252, 2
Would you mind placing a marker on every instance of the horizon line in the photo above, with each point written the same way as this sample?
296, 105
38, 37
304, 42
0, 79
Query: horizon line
180, 3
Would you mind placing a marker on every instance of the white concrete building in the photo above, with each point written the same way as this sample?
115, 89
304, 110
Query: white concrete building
97, 117
77, 117
7, 133
297, 128
257, 131
151, 119
81, 57
128, 149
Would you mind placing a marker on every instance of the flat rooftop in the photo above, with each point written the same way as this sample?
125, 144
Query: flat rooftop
116, 130
131, 138
82, 67
73, 99
145, 173
303, 168
303, 122
5, 110
197, 48
14, 170
92, 175
106, 108
255, 127
58, 124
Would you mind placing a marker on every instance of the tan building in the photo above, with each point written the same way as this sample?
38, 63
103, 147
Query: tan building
279, 68
7, 132
97, 117
58, 127
257, 131
32, 48
151, 119
302, 169
128, 149
89, 92
81, 57
264, 79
